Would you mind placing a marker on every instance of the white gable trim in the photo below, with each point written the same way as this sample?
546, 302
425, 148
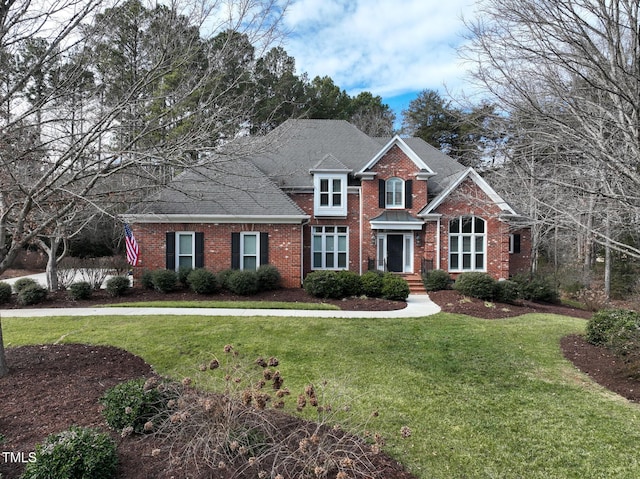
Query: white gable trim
396, 140
478, 180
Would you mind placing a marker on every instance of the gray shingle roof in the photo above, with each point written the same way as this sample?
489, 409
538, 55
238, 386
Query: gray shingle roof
228, 187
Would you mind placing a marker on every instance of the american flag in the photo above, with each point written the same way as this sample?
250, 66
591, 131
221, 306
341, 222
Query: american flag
133, 251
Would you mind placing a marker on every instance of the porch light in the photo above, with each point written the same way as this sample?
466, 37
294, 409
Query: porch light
373, 239
418, 238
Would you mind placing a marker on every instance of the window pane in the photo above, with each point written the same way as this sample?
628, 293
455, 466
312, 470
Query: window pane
342, 260
453, 261
185, 262
329, 229
324, 185
479, 244
329, 245
479, 225
317, 260
466, 244
479, 261
466, 261
342, 229
342, 243
250, 244
185, 244
324, 199
250, 263
337, 185
466, 225
337, 199
330, 261
453, 246
454, 226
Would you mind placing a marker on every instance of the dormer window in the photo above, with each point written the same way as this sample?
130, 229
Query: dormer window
330, 197
394, 188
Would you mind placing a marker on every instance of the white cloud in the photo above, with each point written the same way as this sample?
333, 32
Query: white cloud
388, 47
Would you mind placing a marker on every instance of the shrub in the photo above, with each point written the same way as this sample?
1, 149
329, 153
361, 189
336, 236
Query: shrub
118, 285
164, 280
606, 322
183, 275
33, 294
323, 284
436, 280
223, 278
146, 279
5, 292
536, 288
77, 453
624, 341
132, 404
269, 277
394, 287
23, 283
243, 282
506, 291
477, 285
350, 283
80, 290
202, 281
371, 283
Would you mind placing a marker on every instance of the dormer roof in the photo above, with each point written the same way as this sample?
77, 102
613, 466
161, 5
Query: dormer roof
425, 171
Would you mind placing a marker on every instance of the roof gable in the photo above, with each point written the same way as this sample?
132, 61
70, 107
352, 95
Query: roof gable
473, 175
425, 171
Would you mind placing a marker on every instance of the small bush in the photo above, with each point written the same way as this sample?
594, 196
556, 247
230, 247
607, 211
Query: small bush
77, 453
371, 283
477, 285
23, 283
80, 290
506, 291
146, 279
132, 404
223, 278
269, 277
183, 275
33, 294
624, 341
202, 281
536, 288
118, 285
323, 284
243, 282
605, 323
350, 283
164, 280
436, 280
5, 292
394, 287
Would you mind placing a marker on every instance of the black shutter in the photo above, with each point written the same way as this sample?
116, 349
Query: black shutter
381, 194
264, 248
199, 250
516, 243
235, 250
171, 250
408, 194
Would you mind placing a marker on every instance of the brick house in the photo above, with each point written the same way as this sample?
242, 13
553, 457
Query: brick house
320, 194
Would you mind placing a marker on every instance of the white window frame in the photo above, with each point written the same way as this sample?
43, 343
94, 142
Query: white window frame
244, 255
180, 254
399, 182
330, 209
323, 233
473, 251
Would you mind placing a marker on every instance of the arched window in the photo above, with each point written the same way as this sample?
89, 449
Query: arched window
467, 243
394, 188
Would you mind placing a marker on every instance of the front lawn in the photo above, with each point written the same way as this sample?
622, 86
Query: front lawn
480, 398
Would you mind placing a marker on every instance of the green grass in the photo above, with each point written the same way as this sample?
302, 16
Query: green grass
226, 304
482, 398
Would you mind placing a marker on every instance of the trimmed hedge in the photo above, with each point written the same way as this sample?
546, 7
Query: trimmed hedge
371, 283
269, 278
243, 282
349, 283
477, 285
436, 280
32, 294
394, 287
5, 292
80, 290
23, 283
202, 281
605, 323
164, 280
323, 284
118, 285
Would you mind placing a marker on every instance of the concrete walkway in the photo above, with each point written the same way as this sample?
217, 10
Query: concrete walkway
417, 305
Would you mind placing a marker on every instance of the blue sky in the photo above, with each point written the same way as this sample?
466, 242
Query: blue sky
392, 48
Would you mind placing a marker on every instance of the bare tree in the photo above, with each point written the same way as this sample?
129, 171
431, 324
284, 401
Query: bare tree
568, 73
61, 149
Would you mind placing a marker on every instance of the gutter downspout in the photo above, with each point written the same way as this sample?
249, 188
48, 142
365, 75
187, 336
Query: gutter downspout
302, 225
438, 244
361, 227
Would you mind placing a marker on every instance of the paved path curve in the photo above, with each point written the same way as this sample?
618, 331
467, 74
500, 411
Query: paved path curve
417, 305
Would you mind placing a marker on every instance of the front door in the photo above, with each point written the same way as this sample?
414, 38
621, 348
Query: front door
395, 253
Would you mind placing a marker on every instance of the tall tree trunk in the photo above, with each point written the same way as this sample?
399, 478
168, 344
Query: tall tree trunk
4, 369
607, 260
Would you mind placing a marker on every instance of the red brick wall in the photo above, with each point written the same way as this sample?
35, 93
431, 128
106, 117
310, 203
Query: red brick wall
521, 262
284, 246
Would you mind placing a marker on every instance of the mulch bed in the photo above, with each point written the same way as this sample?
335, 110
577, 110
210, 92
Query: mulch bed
52, 387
